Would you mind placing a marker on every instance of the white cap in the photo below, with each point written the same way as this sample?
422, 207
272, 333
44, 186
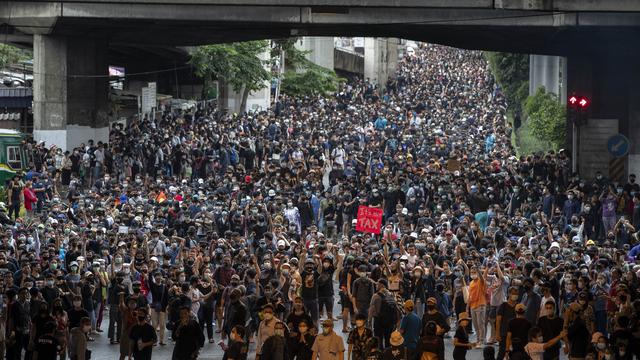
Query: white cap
281, 242
414, 235
405, 211
153, 258
272, 193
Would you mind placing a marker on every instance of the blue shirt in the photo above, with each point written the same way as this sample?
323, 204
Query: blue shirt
410, 324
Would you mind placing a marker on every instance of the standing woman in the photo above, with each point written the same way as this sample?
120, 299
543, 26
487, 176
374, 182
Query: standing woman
461, 338
30, 198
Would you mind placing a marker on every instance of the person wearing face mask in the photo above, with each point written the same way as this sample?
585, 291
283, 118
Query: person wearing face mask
358, 340
276, 347
78, 341
551, 326
599, 292
142, 337
237, 348
160, 300
328, 345
505, 313
536, 348
478, 302
266, 328
302, 342
297, 315
188, 337
77, 312
236, 313
531, 300
208, 289
115, 323
434, 315
577, 332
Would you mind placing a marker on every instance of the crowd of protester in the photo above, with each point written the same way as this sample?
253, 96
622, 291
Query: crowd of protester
239, 231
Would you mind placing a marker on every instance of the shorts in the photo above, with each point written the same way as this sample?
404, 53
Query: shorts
345, 302
492, 313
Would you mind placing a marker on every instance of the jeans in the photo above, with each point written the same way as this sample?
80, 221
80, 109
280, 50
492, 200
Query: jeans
479, 319
115, 326
206, 319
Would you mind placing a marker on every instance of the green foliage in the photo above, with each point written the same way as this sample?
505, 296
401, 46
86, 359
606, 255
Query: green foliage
546, 117
512, 73
293, 57
10, 55
315, 80
238, 64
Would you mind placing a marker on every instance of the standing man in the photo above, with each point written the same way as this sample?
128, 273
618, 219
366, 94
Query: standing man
551, 326
188, 337
328, 345
506, 311
383, 311
142, 336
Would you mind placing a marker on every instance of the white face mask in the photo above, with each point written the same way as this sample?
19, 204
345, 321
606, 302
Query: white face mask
86, 328
474, 276
77, 303
514, 297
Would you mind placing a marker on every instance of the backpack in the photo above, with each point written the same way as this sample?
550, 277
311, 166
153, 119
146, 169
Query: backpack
388, 315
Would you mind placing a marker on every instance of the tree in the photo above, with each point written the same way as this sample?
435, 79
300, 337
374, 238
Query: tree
10, 55
236, 64
546, 117
511, 71
304, 78
316, 80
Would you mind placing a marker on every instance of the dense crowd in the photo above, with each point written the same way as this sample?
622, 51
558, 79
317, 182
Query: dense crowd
204, 225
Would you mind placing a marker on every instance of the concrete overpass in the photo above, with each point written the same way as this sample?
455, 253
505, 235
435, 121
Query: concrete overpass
70, 38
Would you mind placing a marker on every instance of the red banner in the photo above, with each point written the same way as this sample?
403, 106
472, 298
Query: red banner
369, 220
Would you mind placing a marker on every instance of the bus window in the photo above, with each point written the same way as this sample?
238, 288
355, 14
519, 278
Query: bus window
14, 158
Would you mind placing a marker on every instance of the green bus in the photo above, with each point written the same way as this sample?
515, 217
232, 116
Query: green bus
12, 158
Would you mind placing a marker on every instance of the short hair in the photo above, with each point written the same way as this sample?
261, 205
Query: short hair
533, 332
85, 320
240, 330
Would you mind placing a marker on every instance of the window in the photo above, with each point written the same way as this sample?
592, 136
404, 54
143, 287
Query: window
14, 157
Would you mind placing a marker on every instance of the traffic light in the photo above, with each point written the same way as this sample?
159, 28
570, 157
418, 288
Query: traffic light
578, 111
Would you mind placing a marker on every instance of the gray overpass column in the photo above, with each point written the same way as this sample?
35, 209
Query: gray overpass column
380, 59
544, 71
70, 90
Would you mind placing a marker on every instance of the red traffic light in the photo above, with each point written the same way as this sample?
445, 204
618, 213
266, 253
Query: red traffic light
573, 100
583, 102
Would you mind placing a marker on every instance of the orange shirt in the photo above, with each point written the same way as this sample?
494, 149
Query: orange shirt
477, 293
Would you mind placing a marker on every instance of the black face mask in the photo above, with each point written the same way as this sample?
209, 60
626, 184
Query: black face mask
141, 318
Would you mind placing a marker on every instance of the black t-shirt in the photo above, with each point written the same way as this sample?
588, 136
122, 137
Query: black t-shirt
236, 351
550, 329
75, 316
459, 352
145, 333
519, 329
47, 347
325, 282
309, 284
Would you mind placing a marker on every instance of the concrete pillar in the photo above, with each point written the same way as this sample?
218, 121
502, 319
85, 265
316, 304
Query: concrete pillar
544, 71
70, 90
320, 50
380, 59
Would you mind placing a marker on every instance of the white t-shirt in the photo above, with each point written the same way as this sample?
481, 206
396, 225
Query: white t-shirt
535, 350
195, 295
